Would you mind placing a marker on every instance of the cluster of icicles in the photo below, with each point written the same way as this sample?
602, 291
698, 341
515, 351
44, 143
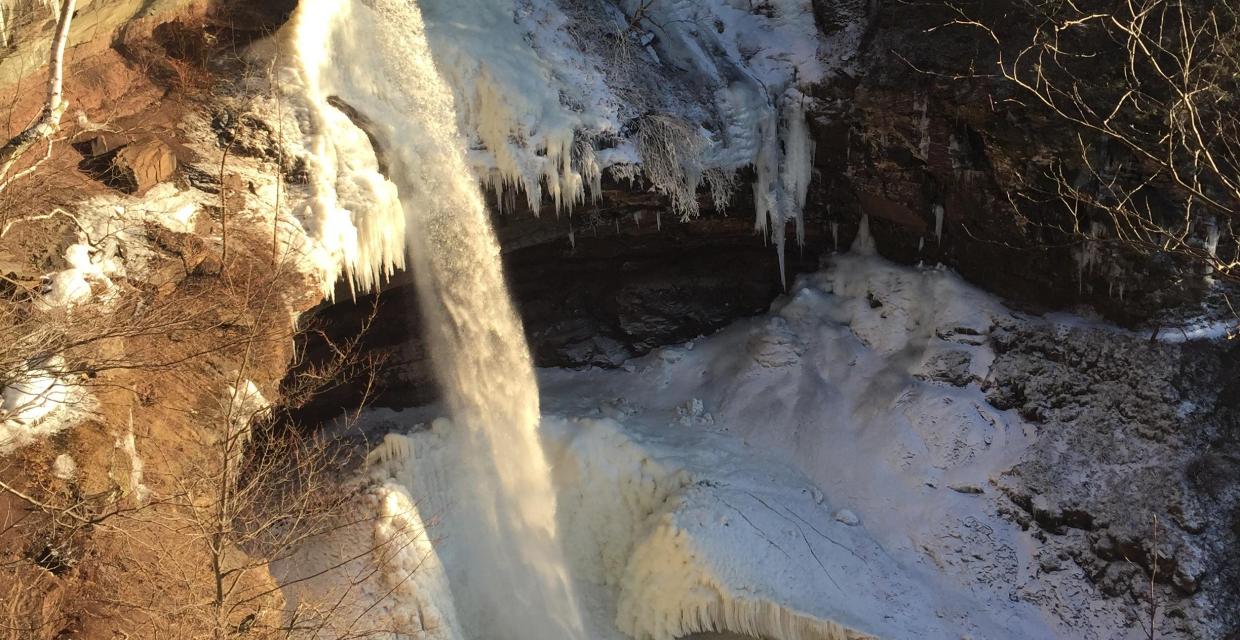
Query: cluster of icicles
507, 84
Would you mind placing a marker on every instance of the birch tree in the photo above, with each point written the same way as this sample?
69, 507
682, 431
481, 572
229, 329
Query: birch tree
54, 105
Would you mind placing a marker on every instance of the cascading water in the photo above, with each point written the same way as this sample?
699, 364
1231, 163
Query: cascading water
508, 578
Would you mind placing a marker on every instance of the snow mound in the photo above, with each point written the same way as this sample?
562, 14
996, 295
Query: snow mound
871, 380
377, 575
693, 535
39, 402
671, 532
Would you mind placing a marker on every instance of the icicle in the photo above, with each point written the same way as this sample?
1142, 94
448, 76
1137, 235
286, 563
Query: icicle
835, 235
864, 244
923, 104
394, 451
1088, 254
1212, 238
798, 161
938, 223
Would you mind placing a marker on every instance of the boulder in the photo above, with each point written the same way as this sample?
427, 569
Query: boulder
143, 164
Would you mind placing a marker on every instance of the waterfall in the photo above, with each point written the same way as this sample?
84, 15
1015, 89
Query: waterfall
366, 73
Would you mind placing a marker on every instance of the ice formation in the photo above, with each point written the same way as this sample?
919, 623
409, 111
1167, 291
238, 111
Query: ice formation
892, 361
1212, 238
550, 94
649, 522
691, 537
938, 223
354, 211
397, 105
511, 67
127, 444
378, 575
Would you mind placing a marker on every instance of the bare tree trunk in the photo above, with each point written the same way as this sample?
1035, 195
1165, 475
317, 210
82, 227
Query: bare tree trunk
55, 104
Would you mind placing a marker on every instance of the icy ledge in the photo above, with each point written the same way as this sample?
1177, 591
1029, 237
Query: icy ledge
671, 533
692, 536
671, 96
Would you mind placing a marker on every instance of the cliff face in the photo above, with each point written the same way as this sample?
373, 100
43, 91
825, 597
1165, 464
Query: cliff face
909, 129
932, 158
903, 134
951, 160
153, 336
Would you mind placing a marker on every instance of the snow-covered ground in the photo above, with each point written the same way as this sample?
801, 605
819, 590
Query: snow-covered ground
852, 381
830, 469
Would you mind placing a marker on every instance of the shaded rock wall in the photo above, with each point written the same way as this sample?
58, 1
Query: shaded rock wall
925, 124
1129, 430
618, 289
894, 141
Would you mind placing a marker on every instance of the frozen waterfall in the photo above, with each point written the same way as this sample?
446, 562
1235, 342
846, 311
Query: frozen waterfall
390, 156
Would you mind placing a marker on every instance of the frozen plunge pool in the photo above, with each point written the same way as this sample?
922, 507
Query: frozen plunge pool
790, 477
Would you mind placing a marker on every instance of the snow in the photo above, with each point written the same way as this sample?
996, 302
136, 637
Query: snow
38, 402
826, 469
64, 467
113, 240
72, 286
37, 395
